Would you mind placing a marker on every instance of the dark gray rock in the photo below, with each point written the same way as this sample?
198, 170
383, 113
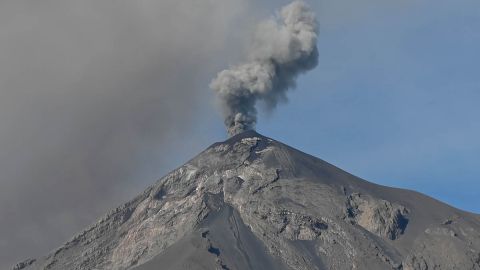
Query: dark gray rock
253, 203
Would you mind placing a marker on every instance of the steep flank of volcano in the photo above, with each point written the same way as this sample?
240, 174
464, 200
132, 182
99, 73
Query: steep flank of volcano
254, 203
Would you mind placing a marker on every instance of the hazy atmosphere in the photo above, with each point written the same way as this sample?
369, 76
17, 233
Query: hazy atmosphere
100, 99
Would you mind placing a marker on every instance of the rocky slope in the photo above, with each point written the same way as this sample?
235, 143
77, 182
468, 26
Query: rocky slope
253, 203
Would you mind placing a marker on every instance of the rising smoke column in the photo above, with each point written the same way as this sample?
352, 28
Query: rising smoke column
283, 47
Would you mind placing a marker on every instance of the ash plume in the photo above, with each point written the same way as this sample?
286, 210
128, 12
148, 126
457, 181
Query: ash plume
283, 47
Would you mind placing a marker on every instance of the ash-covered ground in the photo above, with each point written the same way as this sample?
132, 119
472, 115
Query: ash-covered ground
254, 203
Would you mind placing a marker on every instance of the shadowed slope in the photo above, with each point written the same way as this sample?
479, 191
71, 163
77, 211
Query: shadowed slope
221, 241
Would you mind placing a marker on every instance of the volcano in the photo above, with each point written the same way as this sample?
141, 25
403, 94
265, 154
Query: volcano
251, 202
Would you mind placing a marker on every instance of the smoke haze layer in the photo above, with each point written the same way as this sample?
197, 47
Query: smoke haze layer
283, 47
92, 96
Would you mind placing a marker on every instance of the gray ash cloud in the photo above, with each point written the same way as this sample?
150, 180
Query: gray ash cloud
283, 47
92, 96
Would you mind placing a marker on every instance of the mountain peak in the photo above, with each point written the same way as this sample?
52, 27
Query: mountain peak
253, 203
240, 136
246, 134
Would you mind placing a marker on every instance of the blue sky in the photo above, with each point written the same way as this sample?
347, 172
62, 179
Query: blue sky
395, 98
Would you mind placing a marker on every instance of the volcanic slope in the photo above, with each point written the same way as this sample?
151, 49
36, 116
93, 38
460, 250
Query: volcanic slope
254, 203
